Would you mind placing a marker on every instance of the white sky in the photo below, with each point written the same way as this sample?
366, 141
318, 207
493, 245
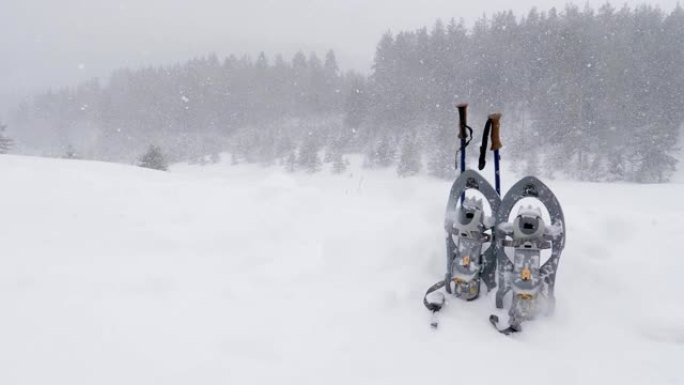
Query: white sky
51, 43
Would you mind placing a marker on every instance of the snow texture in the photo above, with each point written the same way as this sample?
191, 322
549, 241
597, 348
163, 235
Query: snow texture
111, 274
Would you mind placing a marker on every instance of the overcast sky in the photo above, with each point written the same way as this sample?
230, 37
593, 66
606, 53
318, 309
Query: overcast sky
51, 43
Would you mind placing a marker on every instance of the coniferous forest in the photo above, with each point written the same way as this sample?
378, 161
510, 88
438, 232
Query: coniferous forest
597, 94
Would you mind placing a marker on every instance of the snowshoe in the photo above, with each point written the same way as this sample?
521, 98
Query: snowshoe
531, 283
466, 228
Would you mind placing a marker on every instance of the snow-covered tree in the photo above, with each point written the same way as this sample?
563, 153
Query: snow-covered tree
291, 162
154, 159
70, 153
409, 159
6, 143
308, 159
339, 164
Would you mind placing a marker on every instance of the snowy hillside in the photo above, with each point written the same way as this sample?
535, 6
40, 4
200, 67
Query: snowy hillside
111, 274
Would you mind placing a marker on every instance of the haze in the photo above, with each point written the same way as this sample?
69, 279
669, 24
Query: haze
49, 43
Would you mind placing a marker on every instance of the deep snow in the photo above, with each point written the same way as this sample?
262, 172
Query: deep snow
111, 274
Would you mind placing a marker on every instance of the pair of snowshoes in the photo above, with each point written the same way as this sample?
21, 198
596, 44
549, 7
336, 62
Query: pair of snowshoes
477, 245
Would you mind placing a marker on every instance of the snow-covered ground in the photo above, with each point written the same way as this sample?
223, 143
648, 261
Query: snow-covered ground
222, 274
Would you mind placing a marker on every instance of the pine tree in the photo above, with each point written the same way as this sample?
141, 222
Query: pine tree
154, 159
370, 157
409, 159
339, 164
291, 162
442, 154
532, 164
440, 163
356, 103
616, 166
384, 153
308, 159
330, 154
70, 153
6, 143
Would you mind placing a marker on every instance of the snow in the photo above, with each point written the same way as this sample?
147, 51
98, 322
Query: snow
112, 274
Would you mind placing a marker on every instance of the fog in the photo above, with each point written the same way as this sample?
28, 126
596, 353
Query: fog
47, 43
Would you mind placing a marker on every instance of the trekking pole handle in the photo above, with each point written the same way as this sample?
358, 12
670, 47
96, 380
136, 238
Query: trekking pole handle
496, 126
462, 120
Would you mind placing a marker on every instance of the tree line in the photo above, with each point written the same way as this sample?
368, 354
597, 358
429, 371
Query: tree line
596, 94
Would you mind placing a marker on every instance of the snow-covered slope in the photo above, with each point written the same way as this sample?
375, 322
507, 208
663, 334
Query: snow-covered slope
242, 275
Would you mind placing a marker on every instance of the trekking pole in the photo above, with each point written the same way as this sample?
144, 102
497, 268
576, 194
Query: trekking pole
493, 125
483, 147
463, 136
496, 145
